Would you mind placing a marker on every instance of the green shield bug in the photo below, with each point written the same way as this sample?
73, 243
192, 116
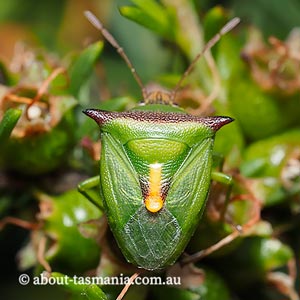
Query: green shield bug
155, 169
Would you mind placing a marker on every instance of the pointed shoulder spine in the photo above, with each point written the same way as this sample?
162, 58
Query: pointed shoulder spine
100, 116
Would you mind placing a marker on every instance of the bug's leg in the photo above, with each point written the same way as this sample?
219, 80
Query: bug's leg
90, 189
226, 180
222, 178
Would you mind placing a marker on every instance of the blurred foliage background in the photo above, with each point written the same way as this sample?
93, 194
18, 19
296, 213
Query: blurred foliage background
59, 28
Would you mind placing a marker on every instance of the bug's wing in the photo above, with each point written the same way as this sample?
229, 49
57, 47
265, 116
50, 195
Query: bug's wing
189, 188
119, 183
151, 238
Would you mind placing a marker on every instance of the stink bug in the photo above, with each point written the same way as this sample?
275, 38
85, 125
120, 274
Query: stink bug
155, 169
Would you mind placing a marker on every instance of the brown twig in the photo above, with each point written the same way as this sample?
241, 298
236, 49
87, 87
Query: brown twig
43, 88
126, 287
201, 254
41, 254
18, 222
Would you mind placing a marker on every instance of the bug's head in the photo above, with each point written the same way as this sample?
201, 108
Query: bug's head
156, 94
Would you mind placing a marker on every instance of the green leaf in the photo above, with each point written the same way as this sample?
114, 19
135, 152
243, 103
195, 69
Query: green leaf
73, 251
151, 15
65, 103
7, 78
86, 291
8, 123
83, 66
270, 253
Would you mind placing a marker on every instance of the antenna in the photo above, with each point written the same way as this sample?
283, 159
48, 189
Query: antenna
96, 23
226, 28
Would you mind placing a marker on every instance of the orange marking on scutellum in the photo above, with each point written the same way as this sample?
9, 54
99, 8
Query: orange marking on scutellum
154, 201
